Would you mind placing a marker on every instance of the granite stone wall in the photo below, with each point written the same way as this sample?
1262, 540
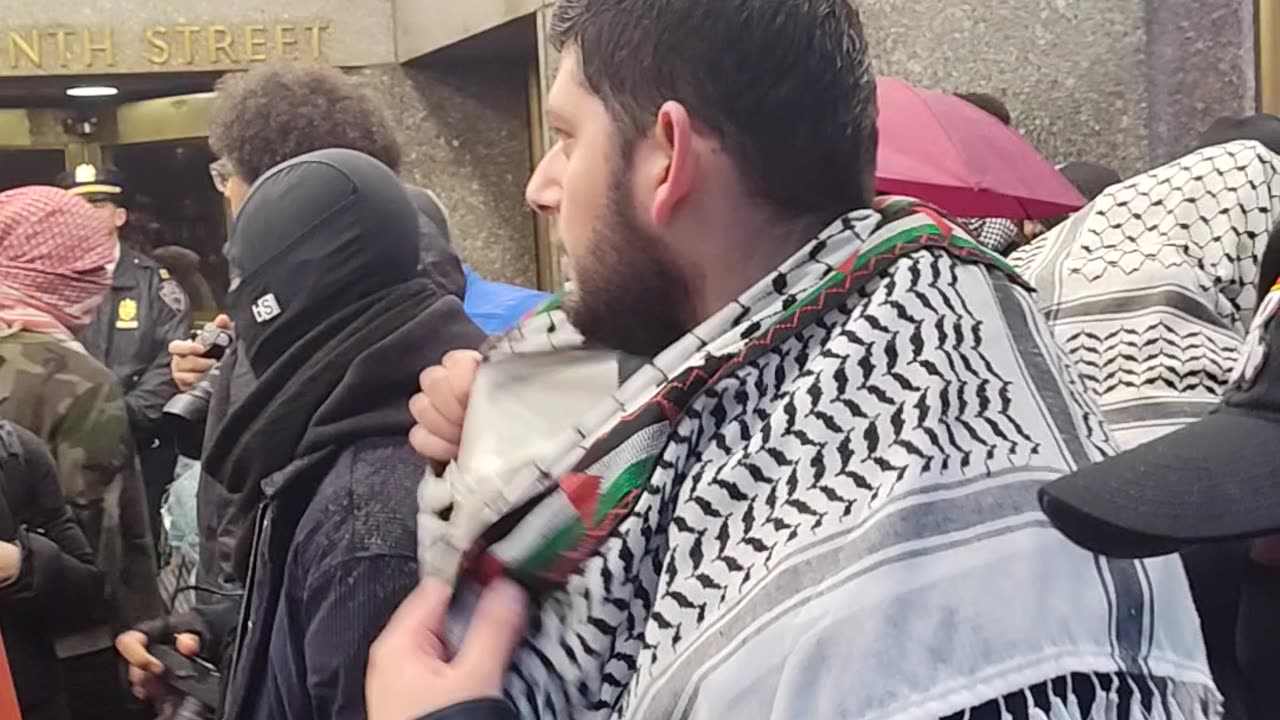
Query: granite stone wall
464, 126
1127, 82
1130, 83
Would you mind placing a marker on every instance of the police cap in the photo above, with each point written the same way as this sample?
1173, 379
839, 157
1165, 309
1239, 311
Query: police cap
95, 184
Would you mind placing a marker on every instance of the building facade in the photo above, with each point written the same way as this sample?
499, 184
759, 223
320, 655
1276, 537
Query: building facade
1131, 83
1126, 82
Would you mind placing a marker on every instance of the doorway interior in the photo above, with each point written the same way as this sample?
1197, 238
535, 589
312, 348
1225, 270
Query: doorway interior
159, 143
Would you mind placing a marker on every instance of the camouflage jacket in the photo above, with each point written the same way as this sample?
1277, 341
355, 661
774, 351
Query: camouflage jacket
55, 390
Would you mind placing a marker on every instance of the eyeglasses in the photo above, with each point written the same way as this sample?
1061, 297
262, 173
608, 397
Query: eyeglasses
221, 172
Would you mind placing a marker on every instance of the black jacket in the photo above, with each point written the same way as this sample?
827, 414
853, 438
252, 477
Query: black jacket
215, 505
336, 323
58, 589
130, 334
334, 543
487, 709
219, 524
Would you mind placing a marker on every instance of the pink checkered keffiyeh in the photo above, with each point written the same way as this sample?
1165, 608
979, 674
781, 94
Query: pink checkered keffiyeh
56, 254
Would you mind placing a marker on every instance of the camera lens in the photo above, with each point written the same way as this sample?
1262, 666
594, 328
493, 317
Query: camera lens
186, 412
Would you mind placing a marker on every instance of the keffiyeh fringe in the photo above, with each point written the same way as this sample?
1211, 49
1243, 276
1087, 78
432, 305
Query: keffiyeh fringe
1113, 697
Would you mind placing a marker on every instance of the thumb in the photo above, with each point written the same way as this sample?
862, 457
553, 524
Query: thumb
461, 367
420, 618
187, 643
223, 321
495, 631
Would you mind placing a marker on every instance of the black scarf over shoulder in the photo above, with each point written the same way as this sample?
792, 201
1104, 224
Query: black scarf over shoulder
334, 318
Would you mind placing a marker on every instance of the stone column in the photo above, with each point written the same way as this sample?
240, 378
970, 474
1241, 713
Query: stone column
464, 129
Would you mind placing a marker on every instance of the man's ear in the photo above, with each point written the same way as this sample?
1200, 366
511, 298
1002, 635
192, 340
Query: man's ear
674, 133
122, 217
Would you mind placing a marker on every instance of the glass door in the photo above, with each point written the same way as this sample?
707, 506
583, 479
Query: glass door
30, 166
177, 215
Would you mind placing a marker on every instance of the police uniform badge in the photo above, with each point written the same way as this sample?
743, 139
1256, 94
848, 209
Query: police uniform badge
127, 314
172, 293
1253, 352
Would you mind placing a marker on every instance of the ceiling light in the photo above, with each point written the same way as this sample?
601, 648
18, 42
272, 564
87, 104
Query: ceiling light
91, 91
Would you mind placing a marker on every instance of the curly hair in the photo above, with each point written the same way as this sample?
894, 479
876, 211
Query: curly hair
281, 110
990, 104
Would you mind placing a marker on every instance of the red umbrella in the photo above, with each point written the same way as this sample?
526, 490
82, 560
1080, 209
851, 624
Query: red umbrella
940, 149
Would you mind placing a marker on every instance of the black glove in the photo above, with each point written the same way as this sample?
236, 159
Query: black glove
214, 623
161, 630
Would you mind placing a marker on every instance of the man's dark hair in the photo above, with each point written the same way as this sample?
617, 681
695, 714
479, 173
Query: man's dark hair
1091, 179
990, 104
786, 85
1262, 127
282, 110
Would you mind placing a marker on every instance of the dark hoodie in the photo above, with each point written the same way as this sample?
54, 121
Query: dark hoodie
437, 263
336, 323
58, 588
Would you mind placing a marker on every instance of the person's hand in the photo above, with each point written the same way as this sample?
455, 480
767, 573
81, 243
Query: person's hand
1266, 551
441, 406
187, 362
409, 674
145, 671
10, 562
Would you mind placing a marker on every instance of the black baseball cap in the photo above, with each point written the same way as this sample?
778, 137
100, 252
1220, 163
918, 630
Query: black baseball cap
95, 184
1215, 480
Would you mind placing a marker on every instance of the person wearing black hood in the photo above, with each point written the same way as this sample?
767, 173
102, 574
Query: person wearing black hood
335, 320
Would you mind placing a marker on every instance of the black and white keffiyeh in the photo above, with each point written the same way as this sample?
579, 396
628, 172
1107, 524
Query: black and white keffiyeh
1000, 235
1150, 290
846, 526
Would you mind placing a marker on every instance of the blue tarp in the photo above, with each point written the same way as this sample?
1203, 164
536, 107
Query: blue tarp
496, 306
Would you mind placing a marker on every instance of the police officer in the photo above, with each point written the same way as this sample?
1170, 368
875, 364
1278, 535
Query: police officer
145, 311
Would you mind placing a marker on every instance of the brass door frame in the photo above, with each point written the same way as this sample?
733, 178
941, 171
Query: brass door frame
15, 131
181, 117
541, 70
40, 129
546, 253
1268, 44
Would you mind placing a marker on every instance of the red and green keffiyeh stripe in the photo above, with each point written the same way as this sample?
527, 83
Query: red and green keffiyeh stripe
560, 529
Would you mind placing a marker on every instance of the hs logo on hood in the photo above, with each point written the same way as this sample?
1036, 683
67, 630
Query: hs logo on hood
266, 308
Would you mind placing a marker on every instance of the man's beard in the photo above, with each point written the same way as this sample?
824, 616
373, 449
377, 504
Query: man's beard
627, 295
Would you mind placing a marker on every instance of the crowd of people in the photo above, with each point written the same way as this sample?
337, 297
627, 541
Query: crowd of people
783, 449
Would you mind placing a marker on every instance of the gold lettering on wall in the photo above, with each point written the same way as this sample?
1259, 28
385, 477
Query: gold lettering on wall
28, 47
60, 39
286, 38
187, 55
220, 44
255, 41
75, 49
157, 40
316, 30
104, 48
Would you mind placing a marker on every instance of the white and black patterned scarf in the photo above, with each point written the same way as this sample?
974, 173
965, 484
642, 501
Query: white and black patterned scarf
1000, 235
1150, 289
844, 524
